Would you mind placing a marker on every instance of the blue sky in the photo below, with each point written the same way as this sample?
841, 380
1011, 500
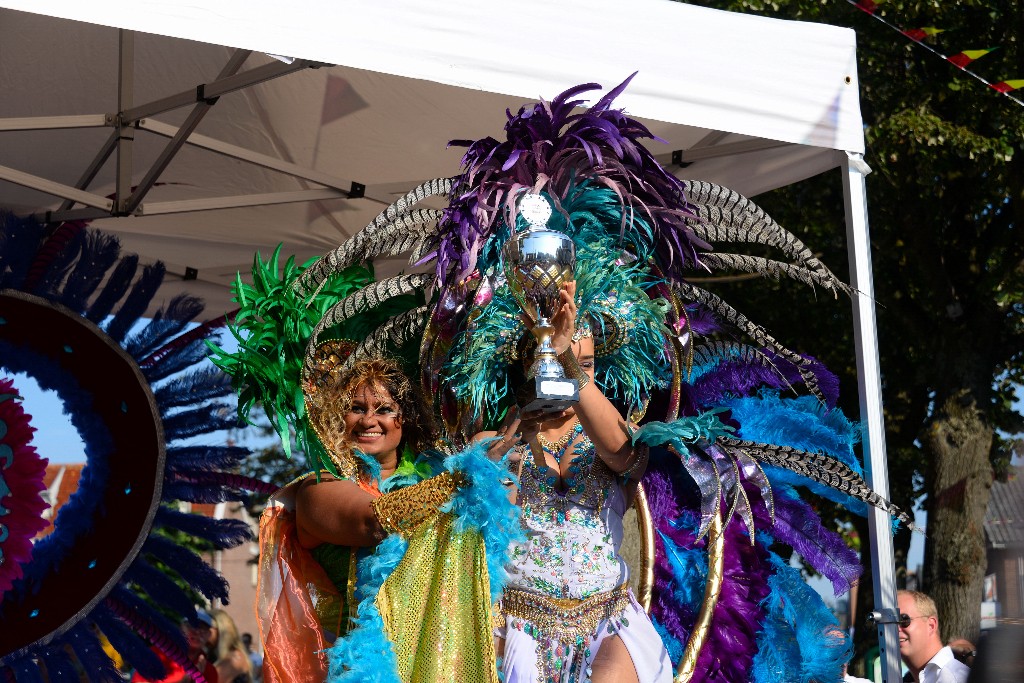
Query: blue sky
55, 438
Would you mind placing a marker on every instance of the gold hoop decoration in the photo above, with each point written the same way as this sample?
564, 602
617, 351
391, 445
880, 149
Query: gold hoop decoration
645, 525
712, 591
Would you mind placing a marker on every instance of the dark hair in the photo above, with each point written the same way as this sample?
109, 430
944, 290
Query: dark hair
963, 650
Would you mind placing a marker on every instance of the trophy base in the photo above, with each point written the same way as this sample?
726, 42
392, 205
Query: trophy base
552, 395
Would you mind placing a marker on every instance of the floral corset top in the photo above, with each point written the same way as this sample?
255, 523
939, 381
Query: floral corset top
572, 536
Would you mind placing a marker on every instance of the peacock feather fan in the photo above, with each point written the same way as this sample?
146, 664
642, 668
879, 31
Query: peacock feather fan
143, 398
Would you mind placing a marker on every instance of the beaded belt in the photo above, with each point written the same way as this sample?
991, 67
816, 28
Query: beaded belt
566, 620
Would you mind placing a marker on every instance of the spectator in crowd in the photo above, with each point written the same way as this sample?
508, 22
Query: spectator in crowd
198, 633
927, 659
229, 655
255, 656
964, 650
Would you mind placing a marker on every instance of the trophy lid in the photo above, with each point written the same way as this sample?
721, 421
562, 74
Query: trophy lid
535, 210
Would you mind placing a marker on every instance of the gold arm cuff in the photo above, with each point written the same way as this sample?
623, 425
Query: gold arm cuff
572, 368
405, 509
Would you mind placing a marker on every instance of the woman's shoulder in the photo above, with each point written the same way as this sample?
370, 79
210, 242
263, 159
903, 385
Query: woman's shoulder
326, 487
322, 477
240, 658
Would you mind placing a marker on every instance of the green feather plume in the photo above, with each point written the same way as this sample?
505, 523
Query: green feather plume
272, 328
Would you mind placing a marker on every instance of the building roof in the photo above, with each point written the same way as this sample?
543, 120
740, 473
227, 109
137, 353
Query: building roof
61, 482
1004, 518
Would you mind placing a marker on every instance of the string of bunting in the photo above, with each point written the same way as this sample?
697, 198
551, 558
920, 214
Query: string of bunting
959, 60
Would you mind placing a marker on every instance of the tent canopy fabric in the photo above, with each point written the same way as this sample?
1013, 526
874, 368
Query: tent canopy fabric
748, 102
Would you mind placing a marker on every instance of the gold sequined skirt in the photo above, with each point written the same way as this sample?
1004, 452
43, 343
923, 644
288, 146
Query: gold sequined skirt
564, 628
566, 620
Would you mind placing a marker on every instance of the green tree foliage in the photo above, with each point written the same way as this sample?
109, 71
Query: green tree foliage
945, 201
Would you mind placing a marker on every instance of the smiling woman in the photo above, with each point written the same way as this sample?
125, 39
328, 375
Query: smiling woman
369, 421
369, 555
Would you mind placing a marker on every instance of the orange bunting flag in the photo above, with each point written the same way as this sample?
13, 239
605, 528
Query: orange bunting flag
921, 33
869, 6
967, 56
1007, 86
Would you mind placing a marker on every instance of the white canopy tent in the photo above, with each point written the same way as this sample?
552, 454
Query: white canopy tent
173, 126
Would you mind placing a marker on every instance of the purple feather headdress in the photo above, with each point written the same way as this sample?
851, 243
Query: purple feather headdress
549, 147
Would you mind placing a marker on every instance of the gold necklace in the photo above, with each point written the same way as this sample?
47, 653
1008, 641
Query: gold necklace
557, 447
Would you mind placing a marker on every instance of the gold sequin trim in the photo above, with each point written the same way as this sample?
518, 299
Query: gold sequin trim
403, 510
350, 592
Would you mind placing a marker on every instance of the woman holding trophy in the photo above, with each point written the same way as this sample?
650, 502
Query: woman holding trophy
637, 372
663, 363
567, 611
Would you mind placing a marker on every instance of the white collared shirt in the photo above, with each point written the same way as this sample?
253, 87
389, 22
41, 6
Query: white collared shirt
944, 668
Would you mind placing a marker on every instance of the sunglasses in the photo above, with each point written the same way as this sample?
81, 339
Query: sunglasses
905, 620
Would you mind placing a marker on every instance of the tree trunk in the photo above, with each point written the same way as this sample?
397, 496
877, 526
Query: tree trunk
959, 442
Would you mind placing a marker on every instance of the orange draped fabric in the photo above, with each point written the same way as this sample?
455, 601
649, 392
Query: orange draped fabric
290, 585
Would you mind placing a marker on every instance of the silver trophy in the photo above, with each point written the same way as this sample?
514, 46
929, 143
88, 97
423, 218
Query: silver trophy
537, 262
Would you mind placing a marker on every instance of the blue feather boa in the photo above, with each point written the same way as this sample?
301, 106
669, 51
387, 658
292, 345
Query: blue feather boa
365, 654
805, 424
799, 640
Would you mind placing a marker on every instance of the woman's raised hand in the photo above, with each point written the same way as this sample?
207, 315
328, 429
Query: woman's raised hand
564, 319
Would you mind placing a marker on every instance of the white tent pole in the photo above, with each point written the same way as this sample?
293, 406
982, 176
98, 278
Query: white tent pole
228, 82
57, 189
869, 385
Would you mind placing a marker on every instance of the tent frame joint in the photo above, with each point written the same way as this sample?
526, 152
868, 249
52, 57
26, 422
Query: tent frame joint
677, 159
201, 95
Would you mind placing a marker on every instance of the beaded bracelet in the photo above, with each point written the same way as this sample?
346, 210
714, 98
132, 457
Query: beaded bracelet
641, 453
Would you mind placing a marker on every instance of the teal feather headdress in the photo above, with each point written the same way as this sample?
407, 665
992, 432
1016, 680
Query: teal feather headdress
614, 294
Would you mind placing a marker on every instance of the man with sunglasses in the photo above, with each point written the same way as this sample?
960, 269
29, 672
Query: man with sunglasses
921, 648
